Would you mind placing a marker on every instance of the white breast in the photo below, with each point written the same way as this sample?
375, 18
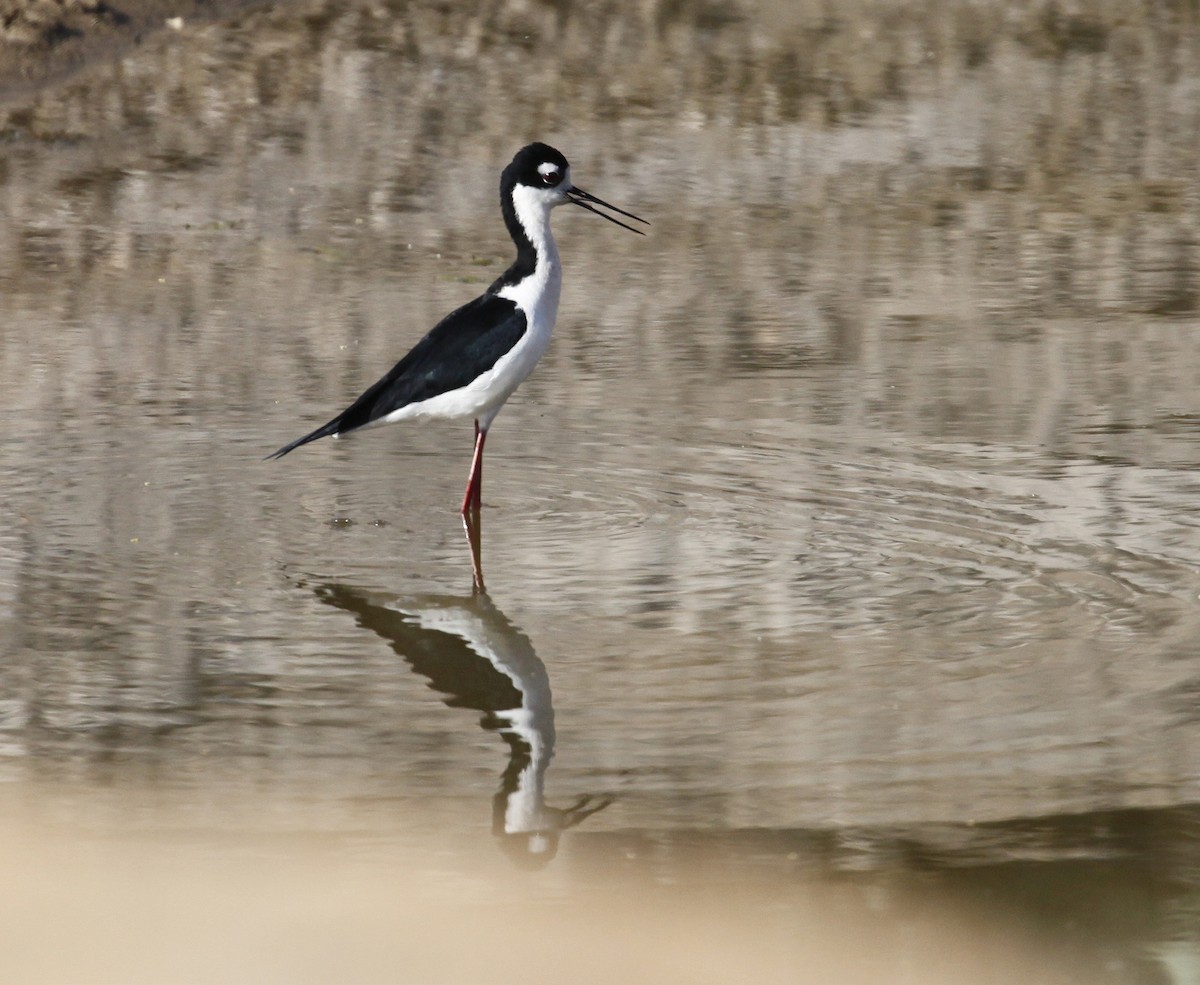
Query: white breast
537, 297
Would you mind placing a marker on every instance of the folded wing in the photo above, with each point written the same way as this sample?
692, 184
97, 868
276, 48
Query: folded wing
465, 344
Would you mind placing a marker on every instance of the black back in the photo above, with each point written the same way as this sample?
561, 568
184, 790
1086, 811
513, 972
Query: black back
467, 342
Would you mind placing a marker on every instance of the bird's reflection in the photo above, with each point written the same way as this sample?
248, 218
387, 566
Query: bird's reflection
478, 659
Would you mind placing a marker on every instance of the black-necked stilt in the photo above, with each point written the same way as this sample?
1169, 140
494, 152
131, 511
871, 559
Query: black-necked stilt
475, 357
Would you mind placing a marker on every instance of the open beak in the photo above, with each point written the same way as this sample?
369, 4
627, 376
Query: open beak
577, 196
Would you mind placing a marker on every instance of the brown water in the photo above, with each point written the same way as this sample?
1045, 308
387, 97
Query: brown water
842, 552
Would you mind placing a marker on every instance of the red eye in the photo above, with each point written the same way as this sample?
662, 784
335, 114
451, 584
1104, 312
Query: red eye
551, 177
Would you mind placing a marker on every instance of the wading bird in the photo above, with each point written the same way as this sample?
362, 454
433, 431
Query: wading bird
471, 361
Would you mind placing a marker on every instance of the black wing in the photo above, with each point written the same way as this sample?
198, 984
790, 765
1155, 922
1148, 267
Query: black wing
464, 344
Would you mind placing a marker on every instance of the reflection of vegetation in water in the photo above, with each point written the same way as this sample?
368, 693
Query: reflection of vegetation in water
957, 222
1037, 161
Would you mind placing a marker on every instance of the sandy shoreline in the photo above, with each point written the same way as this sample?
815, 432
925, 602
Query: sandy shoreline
43, 42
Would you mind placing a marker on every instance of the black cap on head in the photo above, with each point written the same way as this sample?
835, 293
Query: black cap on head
541, 166
538, 165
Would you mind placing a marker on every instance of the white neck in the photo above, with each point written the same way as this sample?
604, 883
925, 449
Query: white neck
537, 293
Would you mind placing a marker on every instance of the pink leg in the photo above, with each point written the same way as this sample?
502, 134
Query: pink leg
473, 499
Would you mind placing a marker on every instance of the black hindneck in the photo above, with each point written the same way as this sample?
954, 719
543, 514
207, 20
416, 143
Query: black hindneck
526, 261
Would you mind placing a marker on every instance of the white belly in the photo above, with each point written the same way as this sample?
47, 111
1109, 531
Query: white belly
537, 297
483, 397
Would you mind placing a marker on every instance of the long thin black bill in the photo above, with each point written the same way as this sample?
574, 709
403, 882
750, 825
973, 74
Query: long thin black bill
581, 198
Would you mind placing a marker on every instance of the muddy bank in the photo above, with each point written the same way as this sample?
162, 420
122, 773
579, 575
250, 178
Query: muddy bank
45, 41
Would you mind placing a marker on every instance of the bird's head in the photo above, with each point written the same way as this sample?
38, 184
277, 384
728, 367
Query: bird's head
541, 173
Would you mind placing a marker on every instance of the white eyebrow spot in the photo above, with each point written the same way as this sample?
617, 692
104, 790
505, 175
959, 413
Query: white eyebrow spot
547, 168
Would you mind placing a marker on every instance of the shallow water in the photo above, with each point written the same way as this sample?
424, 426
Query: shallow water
842, 551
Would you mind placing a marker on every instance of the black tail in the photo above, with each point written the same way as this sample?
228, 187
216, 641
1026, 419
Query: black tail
333, 427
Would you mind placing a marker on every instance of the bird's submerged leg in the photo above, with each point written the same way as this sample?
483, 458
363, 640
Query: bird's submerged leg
472, 520
473, 525
473, 499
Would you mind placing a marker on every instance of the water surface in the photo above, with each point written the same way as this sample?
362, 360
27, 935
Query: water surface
842, 551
